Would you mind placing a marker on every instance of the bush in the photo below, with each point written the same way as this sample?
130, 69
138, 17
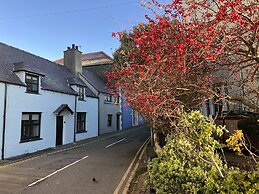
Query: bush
189, 163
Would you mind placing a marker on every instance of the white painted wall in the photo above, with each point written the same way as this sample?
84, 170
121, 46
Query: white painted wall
90, 106
46, 102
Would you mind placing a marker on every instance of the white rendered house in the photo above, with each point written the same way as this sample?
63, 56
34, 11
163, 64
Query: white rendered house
42, 104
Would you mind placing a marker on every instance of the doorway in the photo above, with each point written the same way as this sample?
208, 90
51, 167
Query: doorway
59, 130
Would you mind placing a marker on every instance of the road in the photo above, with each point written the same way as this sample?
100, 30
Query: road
72, 170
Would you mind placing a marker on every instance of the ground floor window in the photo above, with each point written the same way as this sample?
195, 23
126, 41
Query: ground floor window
30, 126
81, 122
109, 120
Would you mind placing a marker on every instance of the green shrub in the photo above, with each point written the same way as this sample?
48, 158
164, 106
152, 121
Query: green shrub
190, 164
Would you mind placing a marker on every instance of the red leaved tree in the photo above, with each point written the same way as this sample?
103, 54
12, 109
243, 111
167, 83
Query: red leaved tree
171, 62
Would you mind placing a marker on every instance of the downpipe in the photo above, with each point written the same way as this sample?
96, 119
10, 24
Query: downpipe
4, 122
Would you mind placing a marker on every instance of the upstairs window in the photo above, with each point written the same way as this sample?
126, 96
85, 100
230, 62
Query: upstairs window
81, 93
32, 83
117, 100
108, 98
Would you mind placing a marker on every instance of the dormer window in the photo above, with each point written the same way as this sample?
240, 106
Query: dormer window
81, 93
32, 83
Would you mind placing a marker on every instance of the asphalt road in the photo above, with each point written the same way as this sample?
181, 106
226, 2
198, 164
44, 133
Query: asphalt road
73, 170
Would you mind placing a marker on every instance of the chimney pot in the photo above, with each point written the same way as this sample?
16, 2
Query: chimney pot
68, 48
73, 46
76, 47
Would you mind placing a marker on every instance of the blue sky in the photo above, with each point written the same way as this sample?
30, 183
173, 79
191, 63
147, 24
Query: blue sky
47, 27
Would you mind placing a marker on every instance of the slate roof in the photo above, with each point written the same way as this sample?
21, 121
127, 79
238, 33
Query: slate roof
94, 65
94, 58
54, 77
96, 81
62, 108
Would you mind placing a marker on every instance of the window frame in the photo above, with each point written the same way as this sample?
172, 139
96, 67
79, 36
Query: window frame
108, 98
109, 120
30, 124
82, 120
30, 82
117, 99
81, 93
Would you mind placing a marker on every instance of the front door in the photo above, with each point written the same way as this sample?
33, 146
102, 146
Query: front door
59, 130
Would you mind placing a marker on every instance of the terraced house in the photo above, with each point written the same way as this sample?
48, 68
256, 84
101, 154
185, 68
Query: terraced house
42, 103
93, 66
114, 113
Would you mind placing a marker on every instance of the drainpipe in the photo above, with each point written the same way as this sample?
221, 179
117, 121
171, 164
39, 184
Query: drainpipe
98, 114
4, 121
75, 119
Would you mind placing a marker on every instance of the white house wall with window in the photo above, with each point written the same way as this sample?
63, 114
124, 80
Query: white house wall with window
39, 102
87, 118
91, 72
20, 107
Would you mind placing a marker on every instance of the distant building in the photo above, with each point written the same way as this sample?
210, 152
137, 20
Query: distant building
130, 117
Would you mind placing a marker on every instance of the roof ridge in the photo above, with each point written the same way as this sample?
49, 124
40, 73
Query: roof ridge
98, 52
34, 55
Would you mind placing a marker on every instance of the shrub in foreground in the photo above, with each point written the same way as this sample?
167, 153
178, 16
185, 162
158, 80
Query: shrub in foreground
190, 164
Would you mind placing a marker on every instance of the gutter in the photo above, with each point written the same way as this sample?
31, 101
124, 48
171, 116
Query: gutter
4, 121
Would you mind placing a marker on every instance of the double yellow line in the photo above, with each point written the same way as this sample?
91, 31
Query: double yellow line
135, 161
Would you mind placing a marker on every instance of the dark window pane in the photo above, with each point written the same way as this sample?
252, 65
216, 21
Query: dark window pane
109, 120
30, 126
81, 122
32, 83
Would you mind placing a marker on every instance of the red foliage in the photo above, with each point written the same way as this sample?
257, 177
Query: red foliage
168, 63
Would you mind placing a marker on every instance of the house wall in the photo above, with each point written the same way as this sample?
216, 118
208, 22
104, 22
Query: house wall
90, 106
46, 102
127, 116
141, 120
106, 108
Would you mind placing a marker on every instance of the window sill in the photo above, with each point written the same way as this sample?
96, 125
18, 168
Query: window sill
107, 102
82, 100
79, 132
29, 140
32, 93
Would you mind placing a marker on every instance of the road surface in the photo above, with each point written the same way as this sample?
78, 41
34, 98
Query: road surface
95, 167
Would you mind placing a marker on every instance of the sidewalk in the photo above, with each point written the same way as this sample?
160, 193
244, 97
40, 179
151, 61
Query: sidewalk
62, 148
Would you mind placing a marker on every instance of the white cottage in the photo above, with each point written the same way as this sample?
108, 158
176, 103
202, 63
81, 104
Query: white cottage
42, 104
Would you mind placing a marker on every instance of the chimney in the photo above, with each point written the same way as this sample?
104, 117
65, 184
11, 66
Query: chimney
73, 59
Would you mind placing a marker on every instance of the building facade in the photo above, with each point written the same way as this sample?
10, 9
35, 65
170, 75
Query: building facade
42, 104
93, 67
